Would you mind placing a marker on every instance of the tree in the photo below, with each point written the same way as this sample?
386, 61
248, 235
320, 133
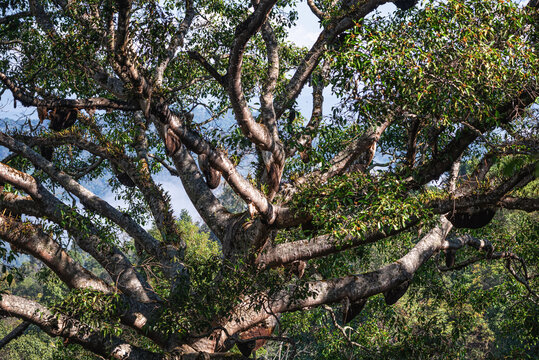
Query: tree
440, 97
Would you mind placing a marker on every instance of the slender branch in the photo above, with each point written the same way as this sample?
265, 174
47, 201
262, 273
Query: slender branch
15, 333
177, 41
341, 329
91, 103
163, 162
305, 140
350, 11
221, 79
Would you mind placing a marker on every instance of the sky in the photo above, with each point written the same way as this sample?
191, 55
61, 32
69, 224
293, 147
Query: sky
304, 33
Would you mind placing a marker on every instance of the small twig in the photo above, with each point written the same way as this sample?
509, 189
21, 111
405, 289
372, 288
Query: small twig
170, 169
343, 329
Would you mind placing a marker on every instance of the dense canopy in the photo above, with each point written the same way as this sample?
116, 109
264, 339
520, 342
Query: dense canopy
420, 142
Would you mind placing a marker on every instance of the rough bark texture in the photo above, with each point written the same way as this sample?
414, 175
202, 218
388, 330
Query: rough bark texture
152, 89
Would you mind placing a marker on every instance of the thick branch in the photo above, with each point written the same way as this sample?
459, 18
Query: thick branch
323, 245
353, 287
254, 131
218, 160
33, 240
514, 203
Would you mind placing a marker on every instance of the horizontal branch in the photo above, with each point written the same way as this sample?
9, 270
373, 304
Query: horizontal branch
353, 287
91, 103
319, 246
8, 18
490, 198
515, 203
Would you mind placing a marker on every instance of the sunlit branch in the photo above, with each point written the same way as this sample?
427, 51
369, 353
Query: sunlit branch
353, 287
318, 246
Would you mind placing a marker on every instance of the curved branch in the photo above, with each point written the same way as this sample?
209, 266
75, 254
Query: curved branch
218, 160
257, 133
354, 9
315, 10
353, 287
